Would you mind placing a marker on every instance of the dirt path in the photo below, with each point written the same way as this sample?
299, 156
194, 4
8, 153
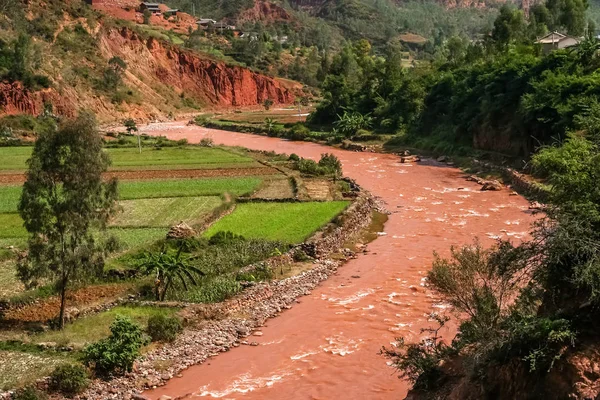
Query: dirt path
326, 346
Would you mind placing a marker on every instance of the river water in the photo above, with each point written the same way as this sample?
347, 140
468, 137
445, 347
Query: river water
326, 346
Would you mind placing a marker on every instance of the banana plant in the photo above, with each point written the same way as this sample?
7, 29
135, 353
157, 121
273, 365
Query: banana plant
168, 269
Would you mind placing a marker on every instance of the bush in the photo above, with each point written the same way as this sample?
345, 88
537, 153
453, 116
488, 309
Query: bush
69, 379
300, 256
298, 132
162, 328
216, 290
206, 142
29, 393
331, 164
116, 354
201, 121
294, 157
309, 167
182, 142
224, 238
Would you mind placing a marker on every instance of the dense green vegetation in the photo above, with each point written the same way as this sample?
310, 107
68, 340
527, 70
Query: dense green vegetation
498, 94
289, 222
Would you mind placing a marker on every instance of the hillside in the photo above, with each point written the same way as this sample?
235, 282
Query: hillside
114, 67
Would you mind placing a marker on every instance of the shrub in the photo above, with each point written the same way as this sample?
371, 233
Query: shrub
294, 157
262, 272
300, 256
224, 238
29, 393
206, 142
298, 132
69, 379
216, 290
116, 354
201, 121
182, 142
420, 363
331, 164
308, 167
267, 104
162, 328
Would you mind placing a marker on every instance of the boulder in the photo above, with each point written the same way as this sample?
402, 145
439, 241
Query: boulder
491, 185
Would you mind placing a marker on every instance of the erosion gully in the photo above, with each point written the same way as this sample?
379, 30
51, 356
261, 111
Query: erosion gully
327, 345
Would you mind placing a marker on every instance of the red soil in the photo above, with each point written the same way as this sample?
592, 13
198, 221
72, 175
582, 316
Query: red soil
7, 179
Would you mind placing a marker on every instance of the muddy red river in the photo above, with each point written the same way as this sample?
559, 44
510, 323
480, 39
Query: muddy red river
326, 346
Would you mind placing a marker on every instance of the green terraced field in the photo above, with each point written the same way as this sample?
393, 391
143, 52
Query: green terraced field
288, 222
129, 190
15, 158
186, 187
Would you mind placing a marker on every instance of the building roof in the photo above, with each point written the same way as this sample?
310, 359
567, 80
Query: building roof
206, 21
150, 4
554, 37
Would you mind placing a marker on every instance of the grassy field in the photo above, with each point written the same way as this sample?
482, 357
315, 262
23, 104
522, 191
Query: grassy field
185, 187
14, 158
146, 189
165, 212
288, 222
11, 226
9, 198
20, 369
95, 327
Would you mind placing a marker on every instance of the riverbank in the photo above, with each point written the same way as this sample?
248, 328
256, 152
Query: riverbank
216, 328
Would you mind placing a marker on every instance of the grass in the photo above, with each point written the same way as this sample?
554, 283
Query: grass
165, 212
178, 158
19, 369
14, 158
11, 226
145, 189
288, 222
132, 238
95, 327
9, 283
9, 198
185, 187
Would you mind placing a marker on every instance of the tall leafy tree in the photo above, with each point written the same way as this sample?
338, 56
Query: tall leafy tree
64, 199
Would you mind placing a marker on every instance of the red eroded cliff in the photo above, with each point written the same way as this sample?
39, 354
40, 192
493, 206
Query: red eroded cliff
161, 75
208, 81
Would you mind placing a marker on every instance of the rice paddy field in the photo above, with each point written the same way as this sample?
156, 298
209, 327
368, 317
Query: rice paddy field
288, 222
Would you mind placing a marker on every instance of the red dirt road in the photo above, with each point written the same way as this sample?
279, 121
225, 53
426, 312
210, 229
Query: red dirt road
326, 347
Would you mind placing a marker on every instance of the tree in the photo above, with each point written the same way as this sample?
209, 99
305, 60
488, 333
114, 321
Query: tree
131, 127
269, 125
64, 199
509, 26
268, 103
168, 269
147, 14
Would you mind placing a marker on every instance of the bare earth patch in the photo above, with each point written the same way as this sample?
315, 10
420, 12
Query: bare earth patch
275, 189
47, 309
6, 179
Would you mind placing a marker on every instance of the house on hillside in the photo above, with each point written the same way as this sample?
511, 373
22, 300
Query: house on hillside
556, 40
205, 22
222, 26
170, 12
154, 8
